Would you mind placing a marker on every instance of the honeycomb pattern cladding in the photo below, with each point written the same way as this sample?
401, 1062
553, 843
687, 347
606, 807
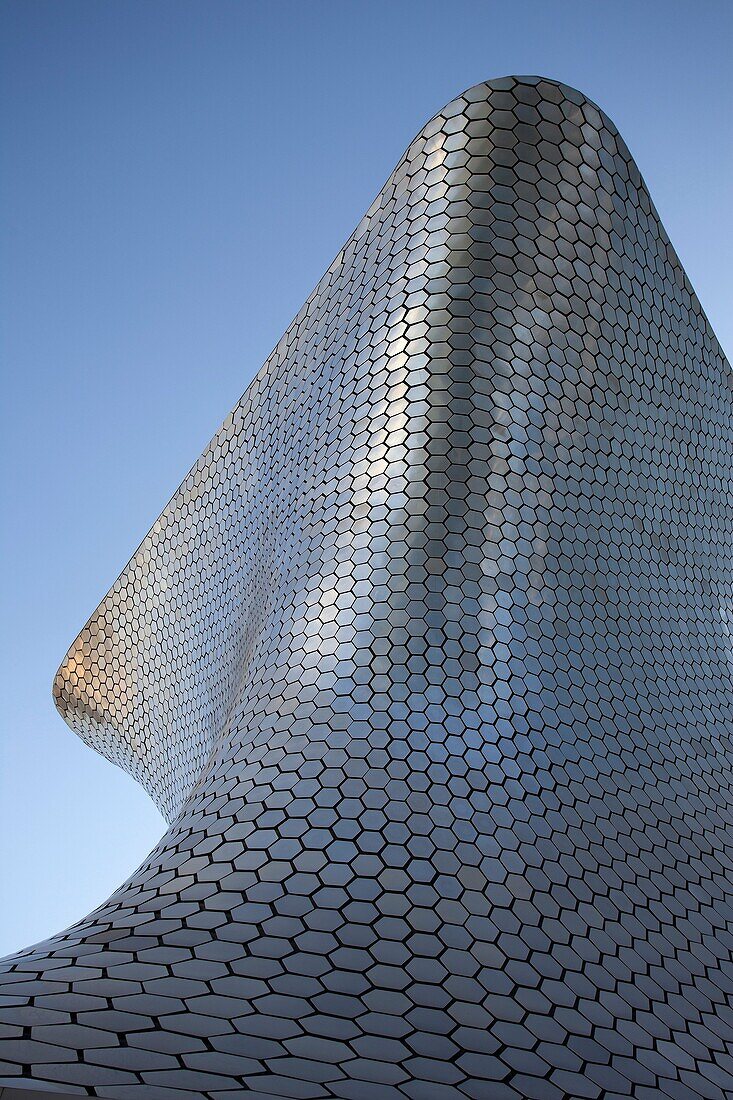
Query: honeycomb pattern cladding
428, 664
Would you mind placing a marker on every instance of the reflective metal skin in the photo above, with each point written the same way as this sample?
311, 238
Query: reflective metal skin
428, 665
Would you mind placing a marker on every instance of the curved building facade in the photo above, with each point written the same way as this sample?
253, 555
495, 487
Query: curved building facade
428, 665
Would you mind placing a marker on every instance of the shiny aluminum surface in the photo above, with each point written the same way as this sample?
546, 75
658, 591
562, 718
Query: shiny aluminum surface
428, 665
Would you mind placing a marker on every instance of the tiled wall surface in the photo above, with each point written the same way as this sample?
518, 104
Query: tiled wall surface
428, 664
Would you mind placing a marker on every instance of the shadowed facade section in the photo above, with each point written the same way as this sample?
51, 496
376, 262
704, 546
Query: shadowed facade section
428, 665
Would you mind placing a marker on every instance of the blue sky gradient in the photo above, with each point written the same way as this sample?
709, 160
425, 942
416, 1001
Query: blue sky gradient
176, 176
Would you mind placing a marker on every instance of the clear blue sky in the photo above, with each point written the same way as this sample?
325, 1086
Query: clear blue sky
176, 176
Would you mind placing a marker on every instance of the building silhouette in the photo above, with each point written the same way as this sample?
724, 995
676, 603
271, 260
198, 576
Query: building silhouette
428, 665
